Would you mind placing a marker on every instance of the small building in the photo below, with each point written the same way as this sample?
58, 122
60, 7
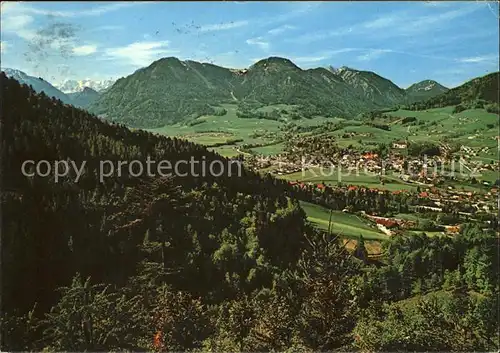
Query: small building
399, 145
452, 229
370, 156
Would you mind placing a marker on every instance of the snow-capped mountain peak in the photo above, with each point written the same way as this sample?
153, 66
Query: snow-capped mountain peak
72, 86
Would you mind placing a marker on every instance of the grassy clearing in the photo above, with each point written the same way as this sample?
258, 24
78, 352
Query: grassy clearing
225, 151
251, 131
347, 225
361, 179
209, 138
469, 127
229, 123
270, 150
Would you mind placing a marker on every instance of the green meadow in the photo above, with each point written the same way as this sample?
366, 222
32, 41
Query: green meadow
345, 224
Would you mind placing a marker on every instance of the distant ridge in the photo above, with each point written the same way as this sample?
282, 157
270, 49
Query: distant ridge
80, 99
171, 90
424, 90
38, 84
371, 86
477, 92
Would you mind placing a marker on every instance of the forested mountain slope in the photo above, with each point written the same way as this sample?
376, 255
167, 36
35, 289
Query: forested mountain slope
170, 90
424, 90
81, 99
84, 98
208, 263
372, 87
38, 84
479, 92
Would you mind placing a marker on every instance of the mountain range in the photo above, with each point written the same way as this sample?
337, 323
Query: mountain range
170, 90
80, 99
38, 84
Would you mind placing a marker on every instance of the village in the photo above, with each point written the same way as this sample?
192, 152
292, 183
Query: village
425, 171
437, 181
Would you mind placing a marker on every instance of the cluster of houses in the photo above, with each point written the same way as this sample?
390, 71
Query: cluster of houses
433, 200
317, 152
431, 174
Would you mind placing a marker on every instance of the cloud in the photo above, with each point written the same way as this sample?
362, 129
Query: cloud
400, 23
139, 53
281, 29
223, 26
320, 35
430, 22
20, 7
308, 59
100, 10
84, 50
16, 22
373, 54
479, 59
259, 41
300, 8
383, 22
107, 28
18, 25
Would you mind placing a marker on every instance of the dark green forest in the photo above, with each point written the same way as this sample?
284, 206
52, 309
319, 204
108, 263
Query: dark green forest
212, 264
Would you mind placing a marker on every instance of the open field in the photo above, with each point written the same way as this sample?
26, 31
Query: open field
361, 179
471, 128
347, 225
269, 150
251, 131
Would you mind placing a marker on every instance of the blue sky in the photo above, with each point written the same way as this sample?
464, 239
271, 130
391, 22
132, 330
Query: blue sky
405, 42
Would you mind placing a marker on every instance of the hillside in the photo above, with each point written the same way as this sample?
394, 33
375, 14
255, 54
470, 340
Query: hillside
165, 92
372, 87
424, 90
83, 98
277, 80
153, 263
170, 91
38, 84
475, 93
49, 244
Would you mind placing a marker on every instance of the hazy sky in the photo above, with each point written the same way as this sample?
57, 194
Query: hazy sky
406, 42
